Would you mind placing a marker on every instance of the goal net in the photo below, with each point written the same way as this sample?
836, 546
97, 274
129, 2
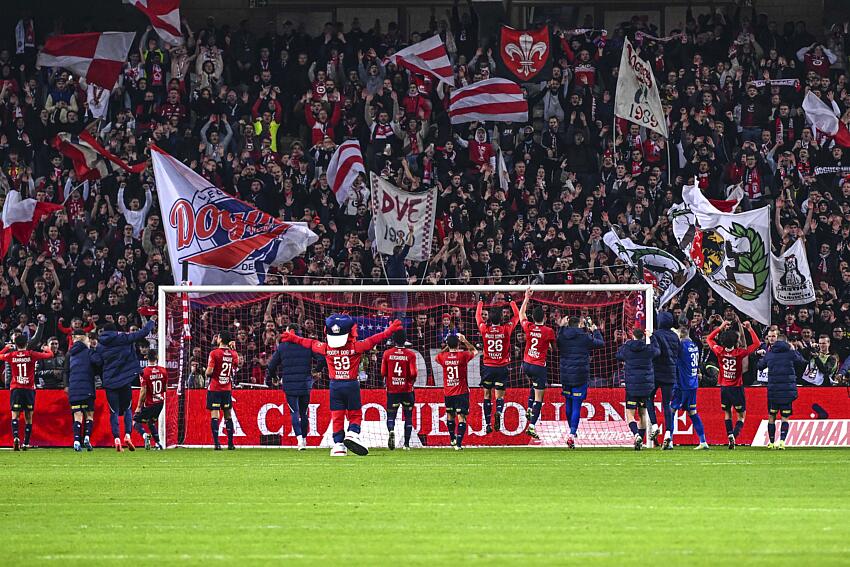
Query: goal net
256, 316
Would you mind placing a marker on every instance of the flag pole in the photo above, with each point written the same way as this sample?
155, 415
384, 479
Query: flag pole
669, 166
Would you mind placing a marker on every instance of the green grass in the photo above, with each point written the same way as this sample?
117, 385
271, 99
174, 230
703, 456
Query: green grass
434, 507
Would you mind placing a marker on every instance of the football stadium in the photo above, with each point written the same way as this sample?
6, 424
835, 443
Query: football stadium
486, 282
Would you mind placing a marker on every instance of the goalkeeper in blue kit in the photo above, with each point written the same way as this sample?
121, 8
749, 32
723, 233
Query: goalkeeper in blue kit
687, 382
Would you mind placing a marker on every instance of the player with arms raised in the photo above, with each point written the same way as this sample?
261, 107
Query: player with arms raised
538, 338
496, 341
343, 352
221, 368
454, 361
22, 397
723, 342
398, 367
151, 400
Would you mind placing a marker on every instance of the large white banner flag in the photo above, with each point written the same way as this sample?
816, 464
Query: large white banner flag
637, 98
395, 212
791, 277
224, 240
731, 252
667, 274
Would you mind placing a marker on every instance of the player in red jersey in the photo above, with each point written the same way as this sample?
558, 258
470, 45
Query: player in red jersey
723, 341
221, 369
398, 367
151, 399
496, 348
538, 339
454, 362
343, 352
22, 396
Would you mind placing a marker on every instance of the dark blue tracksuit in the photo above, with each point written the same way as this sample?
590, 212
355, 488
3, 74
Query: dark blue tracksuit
574, 346
295, 363
120, 368
665, 367
82, 366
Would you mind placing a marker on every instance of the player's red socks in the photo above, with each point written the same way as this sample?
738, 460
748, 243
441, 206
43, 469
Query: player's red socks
338, 423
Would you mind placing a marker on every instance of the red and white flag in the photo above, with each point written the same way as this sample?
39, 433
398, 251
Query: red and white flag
493, 100
428, 57
824, 120
91, 160
345, 165
165, 18
20, 217
99, 57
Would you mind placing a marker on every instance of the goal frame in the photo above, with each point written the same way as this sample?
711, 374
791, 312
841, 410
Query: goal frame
647, 290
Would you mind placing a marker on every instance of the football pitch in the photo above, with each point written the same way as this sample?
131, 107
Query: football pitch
480, 506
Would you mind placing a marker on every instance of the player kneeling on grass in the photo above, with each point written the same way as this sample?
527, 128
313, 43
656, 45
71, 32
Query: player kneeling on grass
83, 362
687, 381
576, 339
781, 386
398, 367
295, 363
120, 368
343, 352
637, 357
454, 361
538, 337
151, 400
731, 377
22, 397
221, 369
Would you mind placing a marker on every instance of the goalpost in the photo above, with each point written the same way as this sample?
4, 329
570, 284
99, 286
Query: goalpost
189, 316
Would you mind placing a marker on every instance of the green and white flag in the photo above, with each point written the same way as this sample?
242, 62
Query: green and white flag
731, 252
667, 274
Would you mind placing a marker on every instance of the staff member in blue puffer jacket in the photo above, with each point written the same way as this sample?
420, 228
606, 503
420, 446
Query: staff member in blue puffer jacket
781, 386
295, 363
120, 367
83, 363
637, 357
665, 376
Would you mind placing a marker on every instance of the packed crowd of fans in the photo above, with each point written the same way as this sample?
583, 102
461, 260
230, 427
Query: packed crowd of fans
260, 114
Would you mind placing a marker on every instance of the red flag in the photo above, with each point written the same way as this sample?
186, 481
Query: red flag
98, 57
20, 217
91, 160
525, 55
165, 18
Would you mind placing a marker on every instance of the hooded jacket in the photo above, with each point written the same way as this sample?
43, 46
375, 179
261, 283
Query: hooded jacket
637, 357
781, 376
668, 342
574, 346
120, 361
81, 371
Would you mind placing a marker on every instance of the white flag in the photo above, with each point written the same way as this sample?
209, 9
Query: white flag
637, 97
224, 240
791, 277
395, 211
97, 100
502, 171
731, 252
665, 272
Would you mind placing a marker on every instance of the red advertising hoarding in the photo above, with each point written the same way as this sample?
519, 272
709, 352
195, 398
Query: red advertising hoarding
262, 419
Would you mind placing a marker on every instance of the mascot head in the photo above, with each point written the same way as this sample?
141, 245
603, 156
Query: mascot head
337, 330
